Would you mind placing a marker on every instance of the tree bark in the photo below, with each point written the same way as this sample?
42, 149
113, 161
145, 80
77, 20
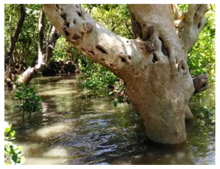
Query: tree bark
153, 66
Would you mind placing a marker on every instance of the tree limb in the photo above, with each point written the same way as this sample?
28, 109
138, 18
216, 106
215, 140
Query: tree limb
191, 25
93, 40
41, 50
17, 32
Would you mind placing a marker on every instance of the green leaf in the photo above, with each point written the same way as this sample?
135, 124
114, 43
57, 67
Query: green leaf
7, 129
14, 157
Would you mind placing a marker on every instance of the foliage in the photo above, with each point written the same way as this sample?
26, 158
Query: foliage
183, 7
203, 109
13, 153
203, 105
202, 55
99, 80
27, 45
115, 17
25, 52
119, 93
63, 50
29, 101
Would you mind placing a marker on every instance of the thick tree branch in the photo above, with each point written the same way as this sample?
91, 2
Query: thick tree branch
17, 32
167, 43
96, 42
191, 25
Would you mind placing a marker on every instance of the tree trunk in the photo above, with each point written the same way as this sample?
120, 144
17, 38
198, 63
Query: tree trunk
44, 53
153, 66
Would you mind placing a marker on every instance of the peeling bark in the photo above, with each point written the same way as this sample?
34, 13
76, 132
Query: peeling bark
153, 66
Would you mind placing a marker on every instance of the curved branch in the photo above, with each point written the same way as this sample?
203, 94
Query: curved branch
96, 42
43, 57
191, 25
17, 32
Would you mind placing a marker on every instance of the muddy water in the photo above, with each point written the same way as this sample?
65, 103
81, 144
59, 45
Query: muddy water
77, 129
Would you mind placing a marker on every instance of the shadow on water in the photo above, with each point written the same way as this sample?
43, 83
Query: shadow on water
77, 129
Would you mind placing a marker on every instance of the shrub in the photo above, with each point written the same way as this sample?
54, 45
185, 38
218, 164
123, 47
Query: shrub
29, 100
12, 152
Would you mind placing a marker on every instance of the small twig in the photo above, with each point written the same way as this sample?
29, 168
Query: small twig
127, 26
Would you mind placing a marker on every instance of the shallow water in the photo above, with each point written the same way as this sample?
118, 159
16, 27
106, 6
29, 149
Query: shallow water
77, 129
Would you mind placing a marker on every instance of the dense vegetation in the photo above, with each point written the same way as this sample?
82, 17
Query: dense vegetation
98, 79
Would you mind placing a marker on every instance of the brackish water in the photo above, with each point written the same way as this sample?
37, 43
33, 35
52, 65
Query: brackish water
77, 129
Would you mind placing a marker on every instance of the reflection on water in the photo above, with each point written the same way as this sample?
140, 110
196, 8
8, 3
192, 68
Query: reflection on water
77, 129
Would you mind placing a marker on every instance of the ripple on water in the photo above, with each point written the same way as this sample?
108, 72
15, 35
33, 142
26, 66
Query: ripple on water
76, 129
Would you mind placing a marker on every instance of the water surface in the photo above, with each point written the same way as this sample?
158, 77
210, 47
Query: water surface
77, 129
